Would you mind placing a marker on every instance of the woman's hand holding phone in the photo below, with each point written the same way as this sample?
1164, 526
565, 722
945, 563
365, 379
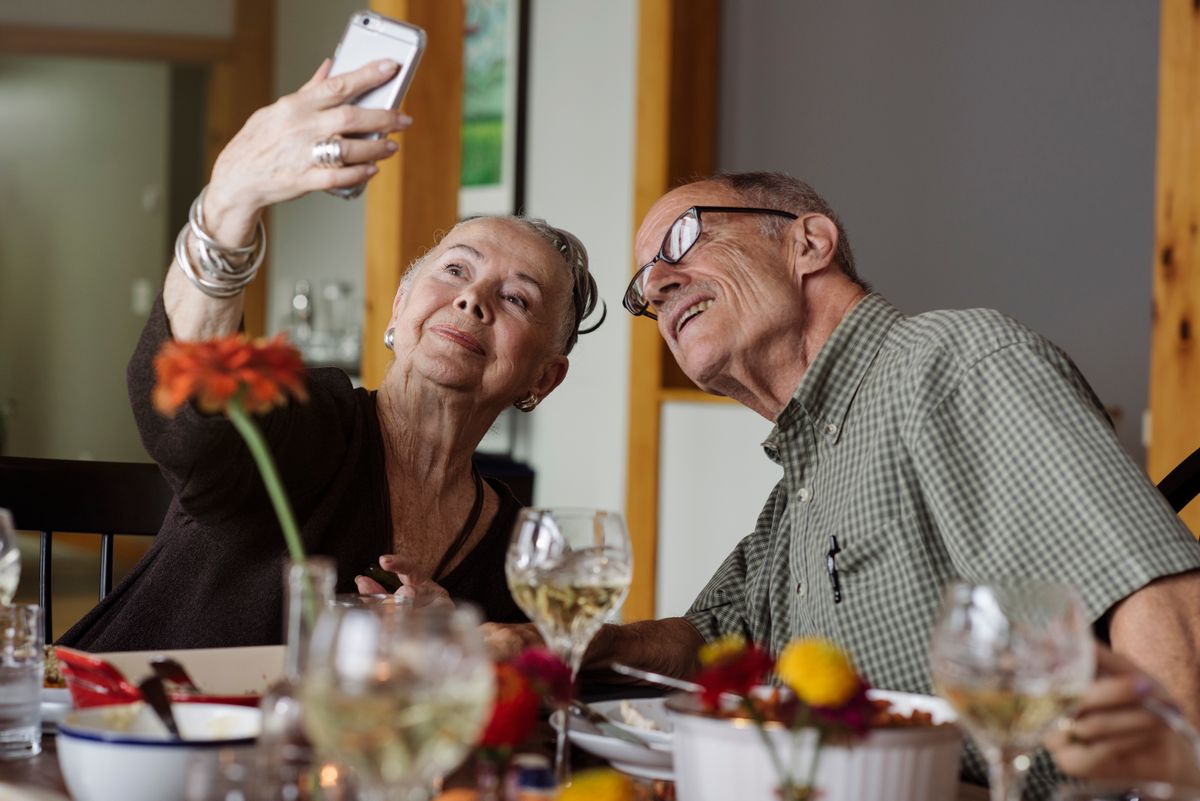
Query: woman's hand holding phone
270, 160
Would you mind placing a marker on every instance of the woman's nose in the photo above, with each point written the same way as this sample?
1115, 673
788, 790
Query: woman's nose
469, 303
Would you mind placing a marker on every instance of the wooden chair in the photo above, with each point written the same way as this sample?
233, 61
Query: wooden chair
1182, 484
104, 498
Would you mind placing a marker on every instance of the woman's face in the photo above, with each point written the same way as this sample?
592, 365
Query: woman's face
484, 313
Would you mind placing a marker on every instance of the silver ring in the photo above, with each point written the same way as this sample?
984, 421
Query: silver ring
328, 153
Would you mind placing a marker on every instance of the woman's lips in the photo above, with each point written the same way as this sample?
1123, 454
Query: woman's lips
460, 337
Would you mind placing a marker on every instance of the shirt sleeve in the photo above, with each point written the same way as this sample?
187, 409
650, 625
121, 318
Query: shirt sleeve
1026, 478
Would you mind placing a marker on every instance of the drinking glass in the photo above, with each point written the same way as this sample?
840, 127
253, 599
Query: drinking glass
1126, 791
397, 694
21, 658
569, 570
1011, 660
10, 558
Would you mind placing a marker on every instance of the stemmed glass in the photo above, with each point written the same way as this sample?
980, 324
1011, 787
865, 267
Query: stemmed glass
397, 694
569, 570
1011, 660
10, 559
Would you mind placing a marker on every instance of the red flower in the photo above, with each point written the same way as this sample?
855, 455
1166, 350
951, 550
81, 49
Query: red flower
215, 371
548, 675
515, 711
735, 673
856, 715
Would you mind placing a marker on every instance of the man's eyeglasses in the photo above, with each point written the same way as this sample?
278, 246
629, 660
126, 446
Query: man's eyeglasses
681, 236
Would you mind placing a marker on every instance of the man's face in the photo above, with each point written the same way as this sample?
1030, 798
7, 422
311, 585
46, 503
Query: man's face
729, 295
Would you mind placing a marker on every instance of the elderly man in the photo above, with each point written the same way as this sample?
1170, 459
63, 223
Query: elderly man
949, 445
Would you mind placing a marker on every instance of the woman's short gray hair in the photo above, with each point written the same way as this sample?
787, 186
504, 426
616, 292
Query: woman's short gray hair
584, 293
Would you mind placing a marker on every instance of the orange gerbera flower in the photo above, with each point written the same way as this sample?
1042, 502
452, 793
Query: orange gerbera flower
265, 372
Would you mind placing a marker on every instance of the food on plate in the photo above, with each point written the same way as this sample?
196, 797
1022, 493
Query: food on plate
51, 675
779, 705
631, 716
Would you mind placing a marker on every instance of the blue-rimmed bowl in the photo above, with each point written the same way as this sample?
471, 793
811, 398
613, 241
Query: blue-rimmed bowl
124, 752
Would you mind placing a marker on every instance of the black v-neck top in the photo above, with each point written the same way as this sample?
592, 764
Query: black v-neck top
214, 574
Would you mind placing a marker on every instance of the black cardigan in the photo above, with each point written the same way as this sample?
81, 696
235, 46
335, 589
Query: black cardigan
214, 574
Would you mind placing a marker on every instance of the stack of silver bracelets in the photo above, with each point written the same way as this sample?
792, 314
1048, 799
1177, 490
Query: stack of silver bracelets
215, 275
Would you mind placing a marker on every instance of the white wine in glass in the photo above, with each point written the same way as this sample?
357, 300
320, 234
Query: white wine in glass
10, 559
1011, 661
569, 571
398, 694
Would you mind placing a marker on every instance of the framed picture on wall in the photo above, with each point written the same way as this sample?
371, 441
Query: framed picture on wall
493, 138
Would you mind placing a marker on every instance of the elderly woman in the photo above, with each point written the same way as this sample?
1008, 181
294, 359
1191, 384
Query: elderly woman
482, 322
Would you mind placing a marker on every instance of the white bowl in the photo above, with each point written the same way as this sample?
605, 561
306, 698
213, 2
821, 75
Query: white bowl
718, 759
124, 752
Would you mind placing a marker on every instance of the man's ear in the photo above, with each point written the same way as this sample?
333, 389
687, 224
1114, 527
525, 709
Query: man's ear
552, 375
814, 241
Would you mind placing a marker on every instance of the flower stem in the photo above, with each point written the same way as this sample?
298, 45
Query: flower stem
270, 476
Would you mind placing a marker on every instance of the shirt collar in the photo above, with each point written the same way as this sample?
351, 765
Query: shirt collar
829, 385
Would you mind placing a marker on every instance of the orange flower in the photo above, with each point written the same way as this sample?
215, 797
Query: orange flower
515, 711
215, 371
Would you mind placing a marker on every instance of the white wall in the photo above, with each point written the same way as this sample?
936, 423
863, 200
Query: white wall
82, 225
176, 17
714, 480
580, 177
981, 154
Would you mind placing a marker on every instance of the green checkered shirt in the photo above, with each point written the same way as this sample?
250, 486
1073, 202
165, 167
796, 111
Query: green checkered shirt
950, 445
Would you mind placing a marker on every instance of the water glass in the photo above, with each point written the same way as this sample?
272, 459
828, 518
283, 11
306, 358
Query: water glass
21, 659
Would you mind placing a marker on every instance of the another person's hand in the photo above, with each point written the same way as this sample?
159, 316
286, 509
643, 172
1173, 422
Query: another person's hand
421, 590
270, 159
1114, 736
505, 641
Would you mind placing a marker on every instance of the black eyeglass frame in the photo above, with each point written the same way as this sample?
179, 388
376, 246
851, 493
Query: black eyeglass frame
642, 308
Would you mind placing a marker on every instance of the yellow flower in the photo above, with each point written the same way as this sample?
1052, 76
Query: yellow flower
721, 649
598, 785
818, 672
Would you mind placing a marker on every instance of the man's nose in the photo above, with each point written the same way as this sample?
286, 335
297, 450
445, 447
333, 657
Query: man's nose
662, 281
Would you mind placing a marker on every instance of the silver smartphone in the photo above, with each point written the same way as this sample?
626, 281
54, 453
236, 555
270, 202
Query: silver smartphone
371, 37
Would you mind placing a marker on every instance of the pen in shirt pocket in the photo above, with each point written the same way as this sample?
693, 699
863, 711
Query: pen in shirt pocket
831, 568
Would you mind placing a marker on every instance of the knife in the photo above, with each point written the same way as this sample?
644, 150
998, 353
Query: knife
606, 726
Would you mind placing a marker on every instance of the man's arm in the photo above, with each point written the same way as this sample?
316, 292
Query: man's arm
1158, 628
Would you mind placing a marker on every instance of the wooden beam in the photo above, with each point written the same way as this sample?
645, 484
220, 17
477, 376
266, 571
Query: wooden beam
676, 124
1175, 354
414, 198
239, 85
92, 43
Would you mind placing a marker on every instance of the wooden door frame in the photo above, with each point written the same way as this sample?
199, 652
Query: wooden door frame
242, 68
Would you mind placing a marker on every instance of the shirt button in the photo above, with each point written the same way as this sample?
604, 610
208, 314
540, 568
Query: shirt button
805, 495
801, 589
831, 429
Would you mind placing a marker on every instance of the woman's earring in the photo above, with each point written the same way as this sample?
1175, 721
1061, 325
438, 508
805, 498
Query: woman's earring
389, 339
528, 403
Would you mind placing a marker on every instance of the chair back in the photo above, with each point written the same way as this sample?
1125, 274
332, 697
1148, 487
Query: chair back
1182, 484
102, 498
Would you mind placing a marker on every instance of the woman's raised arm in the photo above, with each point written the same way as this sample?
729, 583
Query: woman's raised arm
270, 160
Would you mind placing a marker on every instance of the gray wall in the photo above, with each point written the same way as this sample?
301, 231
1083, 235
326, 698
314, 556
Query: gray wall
981, 154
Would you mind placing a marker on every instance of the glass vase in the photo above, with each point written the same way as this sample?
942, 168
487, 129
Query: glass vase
286, 760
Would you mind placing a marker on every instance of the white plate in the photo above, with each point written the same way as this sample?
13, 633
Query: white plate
17, 792
217, 671
56, 703
646, 763
650, 708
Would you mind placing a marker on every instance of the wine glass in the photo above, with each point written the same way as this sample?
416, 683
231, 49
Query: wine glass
10, 559
1011, 660
569, 570
397, 694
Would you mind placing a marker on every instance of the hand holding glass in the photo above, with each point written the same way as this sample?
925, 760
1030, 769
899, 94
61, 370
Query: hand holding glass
1011, 661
